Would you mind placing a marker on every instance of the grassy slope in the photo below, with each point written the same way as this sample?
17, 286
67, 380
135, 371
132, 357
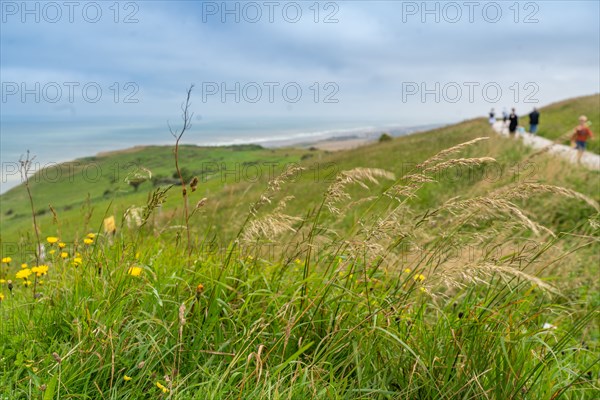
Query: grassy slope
560, 118
102, 177
334, 325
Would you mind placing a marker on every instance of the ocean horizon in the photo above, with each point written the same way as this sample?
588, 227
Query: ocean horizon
54, 141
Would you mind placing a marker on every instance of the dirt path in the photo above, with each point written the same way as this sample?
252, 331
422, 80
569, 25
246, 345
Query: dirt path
589, 160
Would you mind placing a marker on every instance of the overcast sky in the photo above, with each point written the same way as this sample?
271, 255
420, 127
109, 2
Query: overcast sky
413, 62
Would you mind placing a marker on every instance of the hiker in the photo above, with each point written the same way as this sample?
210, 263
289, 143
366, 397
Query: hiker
534, 120
504, 116
513, 122
581, 134
492, 117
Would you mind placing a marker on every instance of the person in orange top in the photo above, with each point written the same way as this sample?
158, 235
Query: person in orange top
581, 134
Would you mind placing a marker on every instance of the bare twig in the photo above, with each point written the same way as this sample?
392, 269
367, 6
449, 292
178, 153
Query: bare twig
24, 169
187, 118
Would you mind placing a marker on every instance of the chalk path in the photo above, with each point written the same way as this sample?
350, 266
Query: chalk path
589, 160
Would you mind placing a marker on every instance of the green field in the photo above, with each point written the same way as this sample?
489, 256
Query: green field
559, 119
398, 270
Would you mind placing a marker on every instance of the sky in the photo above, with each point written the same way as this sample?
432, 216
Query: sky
390, 60
129, 63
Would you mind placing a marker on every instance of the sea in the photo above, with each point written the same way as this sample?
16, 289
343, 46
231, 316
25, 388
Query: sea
53, 141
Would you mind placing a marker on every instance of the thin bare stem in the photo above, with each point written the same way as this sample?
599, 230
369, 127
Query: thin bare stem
24, 168
187, 118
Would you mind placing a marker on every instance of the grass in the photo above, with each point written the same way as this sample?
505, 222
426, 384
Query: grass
369, 274
559, 119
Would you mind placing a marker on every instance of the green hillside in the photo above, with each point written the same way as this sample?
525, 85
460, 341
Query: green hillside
448, 264
559, 119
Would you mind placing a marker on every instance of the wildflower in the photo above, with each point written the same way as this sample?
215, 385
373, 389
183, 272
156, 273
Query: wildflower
23, 274
548, 326
407, 270
52, 251
10, 285
127, 378
199, 288
77, 261
6, 260
1, 296
2, 281
26, 283
24, 265
62, 245
133, 217
90, 235
134, 271
52, 239
161, 387
88, 241
109, 225
419, 277
64, 254
40, 270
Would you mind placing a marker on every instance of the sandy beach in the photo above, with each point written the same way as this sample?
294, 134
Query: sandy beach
339, 145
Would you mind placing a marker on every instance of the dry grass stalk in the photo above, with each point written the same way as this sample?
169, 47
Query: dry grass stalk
269, 226
524, 190
361, 176
274, 186
445, 153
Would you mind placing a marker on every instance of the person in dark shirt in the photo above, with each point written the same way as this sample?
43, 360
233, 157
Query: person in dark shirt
513, 122
492, 116
534, 120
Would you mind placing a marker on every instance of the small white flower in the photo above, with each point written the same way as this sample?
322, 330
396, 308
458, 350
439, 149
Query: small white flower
548, 326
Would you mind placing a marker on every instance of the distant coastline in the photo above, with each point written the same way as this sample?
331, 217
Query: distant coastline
325, 139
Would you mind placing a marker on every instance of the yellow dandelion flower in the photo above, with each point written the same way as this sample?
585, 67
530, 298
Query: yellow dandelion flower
88, 241
40, 270
77, 261
24, 265
62, 245
90, 235
23, 274
26, 283
6, 260
134, 271
64, 254
407, 270
2, 281
52, 251
161, 387
127, 378
1, 296
419, 277
52, 239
